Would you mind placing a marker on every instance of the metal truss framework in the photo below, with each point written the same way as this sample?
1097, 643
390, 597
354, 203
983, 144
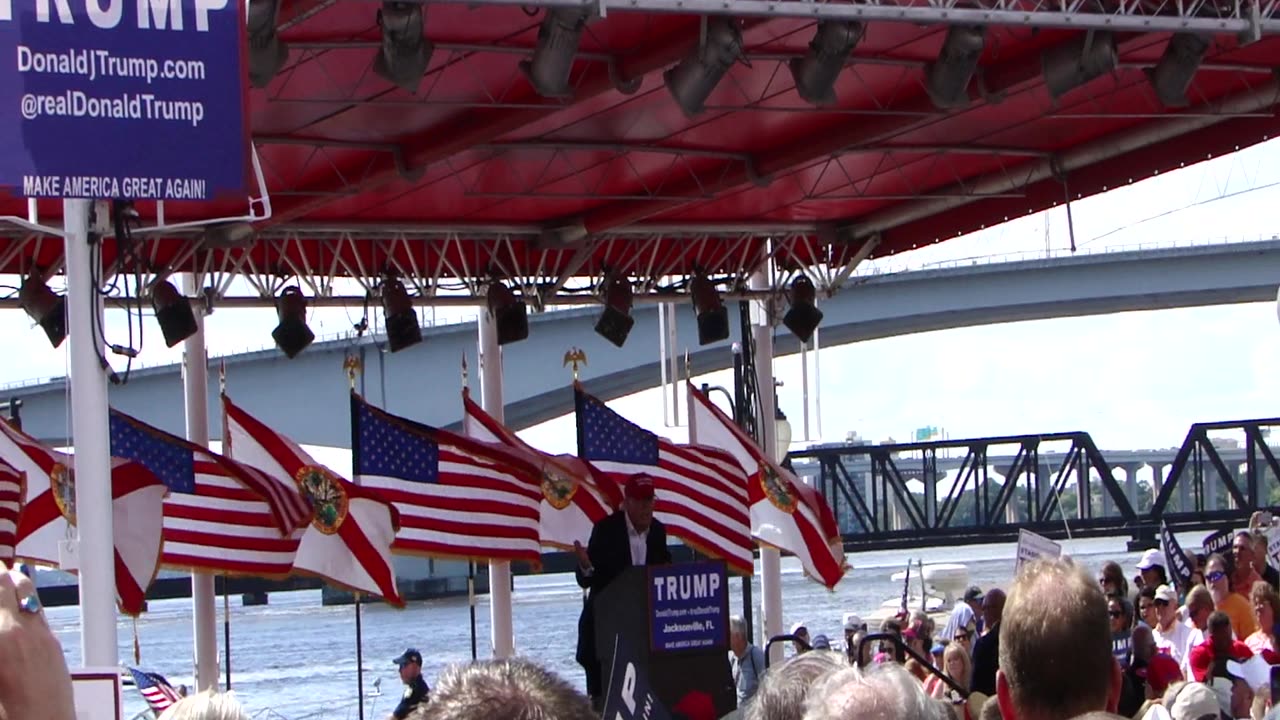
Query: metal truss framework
453, 268
1250, 18
993, 511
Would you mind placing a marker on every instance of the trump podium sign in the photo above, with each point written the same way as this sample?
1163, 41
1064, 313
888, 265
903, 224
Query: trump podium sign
136, 99
688, 607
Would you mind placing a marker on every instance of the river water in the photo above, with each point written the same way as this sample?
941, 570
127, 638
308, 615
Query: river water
296, 659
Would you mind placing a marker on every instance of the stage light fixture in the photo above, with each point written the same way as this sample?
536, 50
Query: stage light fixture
948, 77
1177, 67
267, 52
1070, 66
173, 313
405, 53
815, 74
804, 316
713, 318
402, 321
292, 335
509, 313
691, 82
47, 308
558, 39
615, 322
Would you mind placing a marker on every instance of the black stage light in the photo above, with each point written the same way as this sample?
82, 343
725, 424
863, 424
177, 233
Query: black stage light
292, 335
947, 78
509, 314
713, 318
804, 316
173, 312
815, 74
402, 322
267, 52
558, 39
615, 322
405, 53
1177, 67
692, 81
1071, 66
47, 308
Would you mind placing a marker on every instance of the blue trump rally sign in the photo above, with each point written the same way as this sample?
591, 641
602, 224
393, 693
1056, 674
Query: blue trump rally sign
688, 607
137, 99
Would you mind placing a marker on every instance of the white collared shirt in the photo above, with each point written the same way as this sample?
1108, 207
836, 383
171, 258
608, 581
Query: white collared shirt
639, 543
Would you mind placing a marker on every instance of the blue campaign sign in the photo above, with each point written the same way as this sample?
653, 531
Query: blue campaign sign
134, 99
688, 607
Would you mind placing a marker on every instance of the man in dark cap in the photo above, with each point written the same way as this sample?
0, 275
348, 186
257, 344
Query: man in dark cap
416, 691
629, 537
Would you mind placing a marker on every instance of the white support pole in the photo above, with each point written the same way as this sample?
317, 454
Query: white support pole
502, 635
195, 390
770, 558
90, 434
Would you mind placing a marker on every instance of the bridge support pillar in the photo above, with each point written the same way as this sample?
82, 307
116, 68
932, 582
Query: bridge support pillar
91, 436
770, 558
502, 634
195, 390
1131, 483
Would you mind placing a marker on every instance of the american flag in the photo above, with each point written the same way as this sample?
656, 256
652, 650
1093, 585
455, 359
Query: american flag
221, 515
457, 497
11, 489
701, 491
157, 691
594, 497
785, 513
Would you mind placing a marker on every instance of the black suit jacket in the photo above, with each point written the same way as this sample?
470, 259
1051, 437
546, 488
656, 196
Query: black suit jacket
609, 550
986, 660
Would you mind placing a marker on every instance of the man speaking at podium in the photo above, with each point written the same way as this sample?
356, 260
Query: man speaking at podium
629, 537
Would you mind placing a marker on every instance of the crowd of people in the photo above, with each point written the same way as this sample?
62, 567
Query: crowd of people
1063, 643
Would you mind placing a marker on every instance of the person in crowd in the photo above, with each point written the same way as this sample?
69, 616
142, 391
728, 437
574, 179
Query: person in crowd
892, 626
1243, 574
965, 613
821, 642
1055, 650
629, 537
783, 689
1209, 658
34, 680
207, 705
957, 666
512, 689
801, 644
986, 651
416, 691
1266, 610
1171, 634
1191, 701
966, 636
1147, 614
746, 660
853, 625
1261, 548
885, 692
1152, 569
1199, 608
1111, 579
857, 652
1120, 614
1233, 604
1134, 692
935, 654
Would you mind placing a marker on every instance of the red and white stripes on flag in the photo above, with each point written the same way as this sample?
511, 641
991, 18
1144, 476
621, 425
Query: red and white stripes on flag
573, 499
701, 491
785, 513
457, 497
221, 516
49, 511
12, 485
348, 541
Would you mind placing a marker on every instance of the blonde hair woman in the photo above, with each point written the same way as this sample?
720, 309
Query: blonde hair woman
957, 666
207, 705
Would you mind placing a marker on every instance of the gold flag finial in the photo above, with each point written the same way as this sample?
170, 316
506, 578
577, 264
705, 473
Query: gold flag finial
222, 376
464, 370
352, 365
575, 356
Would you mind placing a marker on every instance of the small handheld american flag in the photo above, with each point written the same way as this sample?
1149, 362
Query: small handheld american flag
157, 691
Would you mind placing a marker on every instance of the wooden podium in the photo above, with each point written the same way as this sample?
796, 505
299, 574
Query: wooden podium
625, 617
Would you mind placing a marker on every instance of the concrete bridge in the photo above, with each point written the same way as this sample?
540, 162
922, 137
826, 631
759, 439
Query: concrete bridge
306, 397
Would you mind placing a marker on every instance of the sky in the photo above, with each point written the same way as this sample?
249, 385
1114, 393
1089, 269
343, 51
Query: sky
1132, 380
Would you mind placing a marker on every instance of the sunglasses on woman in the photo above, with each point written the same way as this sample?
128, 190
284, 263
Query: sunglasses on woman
1215, 576
1115, 613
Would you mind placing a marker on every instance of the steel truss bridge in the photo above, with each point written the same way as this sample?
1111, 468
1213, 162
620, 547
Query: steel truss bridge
877, 491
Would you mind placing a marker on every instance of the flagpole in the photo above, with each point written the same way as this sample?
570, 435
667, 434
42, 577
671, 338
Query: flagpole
226, 625
502, 636
471, 564
352, 365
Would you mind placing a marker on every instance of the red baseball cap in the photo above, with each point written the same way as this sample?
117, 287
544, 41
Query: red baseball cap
639, 487
1160, 672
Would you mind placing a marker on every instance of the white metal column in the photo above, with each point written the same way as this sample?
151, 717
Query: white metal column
502, 635
770, 558
195, 390
90, 435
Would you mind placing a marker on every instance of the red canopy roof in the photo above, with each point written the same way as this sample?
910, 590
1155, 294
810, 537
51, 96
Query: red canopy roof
477, 175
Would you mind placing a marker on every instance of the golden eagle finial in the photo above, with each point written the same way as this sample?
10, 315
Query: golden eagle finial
575, 356
352, 365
